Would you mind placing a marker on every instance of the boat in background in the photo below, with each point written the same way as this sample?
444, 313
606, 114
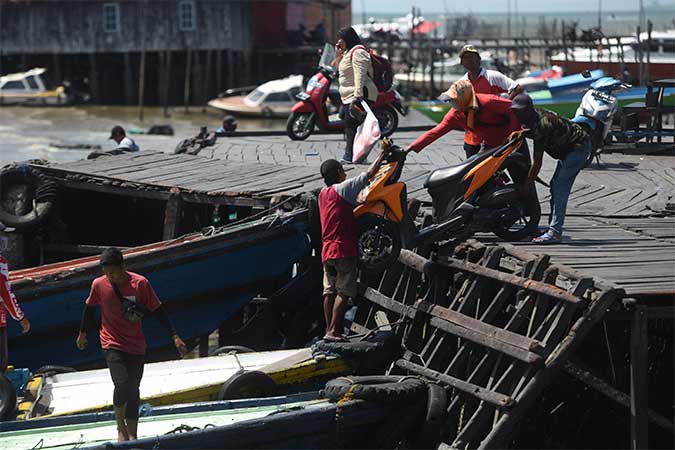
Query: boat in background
536, 80
609, 55
272, 99
32, 88
202, 279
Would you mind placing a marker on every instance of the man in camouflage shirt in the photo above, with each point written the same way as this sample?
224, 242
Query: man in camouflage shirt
563, 140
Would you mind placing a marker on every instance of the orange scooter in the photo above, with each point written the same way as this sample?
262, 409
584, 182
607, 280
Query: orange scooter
479, 194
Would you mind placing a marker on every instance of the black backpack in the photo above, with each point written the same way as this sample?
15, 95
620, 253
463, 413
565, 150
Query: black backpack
383, 74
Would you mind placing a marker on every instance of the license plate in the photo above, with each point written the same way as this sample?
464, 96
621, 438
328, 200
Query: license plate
302, 96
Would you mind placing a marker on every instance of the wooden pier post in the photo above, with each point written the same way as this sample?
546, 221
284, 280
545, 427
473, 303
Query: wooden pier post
128, 83
141, 86
230, 68
219, 71
188, 72
172, 214
638, 380
93, 78
167, 82
207, 79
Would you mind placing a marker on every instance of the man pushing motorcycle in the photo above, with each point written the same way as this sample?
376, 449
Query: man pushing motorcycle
488, 116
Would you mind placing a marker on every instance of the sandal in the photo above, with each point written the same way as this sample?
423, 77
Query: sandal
328, 338
549, 237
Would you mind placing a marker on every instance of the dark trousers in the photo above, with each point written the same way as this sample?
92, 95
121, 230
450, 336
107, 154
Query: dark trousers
4, 354
126, 372
351, 124
471, 150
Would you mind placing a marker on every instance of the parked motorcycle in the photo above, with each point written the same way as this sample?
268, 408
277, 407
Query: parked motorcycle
596, 111
310, 111
476, 195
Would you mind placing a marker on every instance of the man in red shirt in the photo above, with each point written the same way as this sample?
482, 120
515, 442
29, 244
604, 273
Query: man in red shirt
484, 81
339, 236
488, 116
121, 335
8, 304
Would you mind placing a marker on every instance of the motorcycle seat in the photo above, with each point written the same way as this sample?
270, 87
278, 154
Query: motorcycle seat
441, 177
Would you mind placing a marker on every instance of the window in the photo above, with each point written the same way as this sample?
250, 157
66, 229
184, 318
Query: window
278, 97
11, 85
111, 17
255, 95
186, 15
32, 83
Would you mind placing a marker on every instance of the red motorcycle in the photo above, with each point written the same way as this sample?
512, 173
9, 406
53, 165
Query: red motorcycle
311, 111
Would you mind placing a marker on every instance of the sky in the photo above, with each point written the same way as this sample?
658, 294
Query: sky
455, 6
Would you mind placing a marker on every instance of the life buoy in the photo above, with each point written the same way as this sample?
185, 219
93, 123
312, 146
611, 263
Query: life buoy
41, 191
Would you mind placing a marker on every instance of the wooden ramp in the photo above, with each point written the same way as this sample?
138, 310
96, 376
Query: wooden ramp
492, 329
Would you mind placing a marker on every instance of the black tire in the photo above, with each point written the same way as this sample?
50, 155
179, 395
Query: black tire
526, 227
388, 120
299, 126
53, 370
7, 398
430, 434
386, 389
43, 193
248, 384
230, 349
379, 243
371, 355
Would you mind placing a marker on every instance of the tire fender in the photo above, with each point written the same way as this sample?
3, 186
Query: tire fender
384, 389
43, 190
7, 398
430, 434
248, 384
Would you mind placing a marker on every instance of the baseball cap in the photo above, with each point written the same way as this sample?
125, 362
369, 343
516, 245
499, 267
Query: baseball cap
521, 101
468, 48
116, 130
461, 95
4, 228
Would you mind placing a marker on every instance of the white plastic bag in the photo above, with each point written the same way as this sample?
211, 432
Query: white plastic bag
367, 135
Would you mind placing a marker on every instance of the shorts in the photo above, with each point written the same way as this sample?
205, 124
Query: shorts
339, 277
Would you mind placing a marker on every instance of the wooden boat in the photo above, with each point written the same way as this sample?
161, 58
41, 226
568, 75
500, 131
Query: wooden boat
31, 88
272, 99
202, 279
173, 382
615, 56
295, 421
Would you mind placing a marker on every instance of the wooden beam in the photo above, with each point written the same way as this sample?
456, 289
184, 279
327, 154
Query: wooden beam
496, 399
639, 439
172, 215
610, 392
188, 74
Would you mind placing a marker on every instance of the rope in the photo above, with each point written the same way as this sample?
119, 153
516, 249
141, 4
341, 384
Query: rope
349, 395
39, 445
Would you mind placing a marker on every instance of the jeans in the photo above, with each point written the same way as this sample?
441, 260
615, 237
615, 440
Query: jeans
565, 173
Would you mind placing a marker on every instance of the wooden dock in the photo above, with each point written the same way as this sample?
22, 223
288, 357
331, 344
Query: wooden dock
619, 226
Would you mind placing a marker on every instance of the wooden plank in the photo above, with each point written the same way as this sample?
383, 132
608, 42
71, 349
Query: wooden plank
496, 399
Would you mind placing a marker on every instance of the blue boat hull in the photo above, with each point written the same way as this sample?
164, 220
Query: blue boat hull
201, 283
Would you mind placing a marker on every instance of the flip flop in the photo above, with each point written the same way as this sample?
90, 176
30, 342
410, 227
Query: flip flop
548, 238
334, 339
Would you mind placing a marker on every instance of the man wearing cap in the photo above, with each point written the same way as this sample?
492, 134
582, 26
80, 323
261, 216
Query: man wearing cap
123, 142
489, 117
563, 140
121, 336
8, 303
484, 81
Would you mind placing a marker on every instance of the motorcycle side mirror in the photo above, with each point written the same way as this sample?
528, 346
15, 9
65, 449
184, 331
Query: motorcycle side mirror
586, 73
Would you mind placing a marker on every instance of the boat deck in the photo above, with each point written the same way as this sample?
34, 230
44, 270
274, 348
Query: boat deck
616, 227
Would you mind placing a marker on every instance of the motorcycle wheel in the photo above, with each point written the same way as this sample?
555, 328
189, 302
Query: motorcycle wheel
299, 126
388, 119
379, 243
527, 225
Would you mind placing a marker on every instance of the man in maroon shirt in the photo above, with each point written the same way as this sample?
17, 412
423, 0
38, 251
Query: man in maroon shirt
122, 340
488, 116
339, 237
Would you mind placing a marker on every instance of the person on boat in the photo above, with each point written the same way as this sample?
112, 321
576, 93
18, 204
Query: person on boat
484, 81
339, 253
8, 304
356, 83
121, 334
118, 135
564, 141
